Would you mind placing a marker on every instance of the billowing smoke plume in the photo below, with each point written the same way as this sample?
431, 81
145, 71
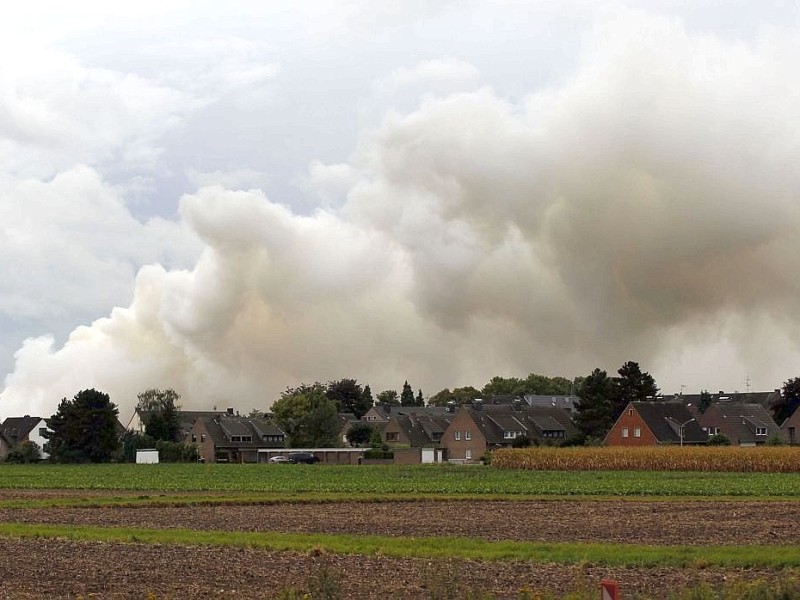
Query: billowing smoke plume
644, 209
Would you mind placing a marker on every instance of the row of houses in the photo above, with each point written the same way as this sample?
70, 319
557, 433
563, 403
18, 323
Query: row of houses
679, 422
465, 433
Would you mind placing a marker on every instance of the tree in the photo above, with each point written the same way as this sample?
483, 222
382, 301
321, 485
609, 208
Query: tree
359, 434
419, 400
789, 401
594, 409
500, 386
407, 395
158, 410
388, 397
462, 395
543, 385
83, 429
349, 397
705, 402
366, 397
602, 399
633, 385
308, 417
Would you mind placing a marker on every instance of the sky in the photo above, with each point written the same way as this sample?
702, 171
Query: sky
229, 201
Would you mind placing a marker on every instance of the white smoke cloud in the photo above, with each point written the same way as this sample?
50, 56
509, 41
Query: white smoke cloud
645, 208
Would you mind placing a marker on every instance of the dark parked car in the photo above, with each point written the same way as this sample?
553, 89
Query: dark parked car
303, 457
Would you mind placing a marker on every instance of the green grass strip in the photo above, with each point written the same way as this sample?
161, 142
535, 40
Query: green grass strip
621, 555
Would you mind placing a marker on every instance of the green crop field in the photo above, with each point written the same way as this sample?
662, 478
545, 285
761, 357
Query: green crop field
373, 480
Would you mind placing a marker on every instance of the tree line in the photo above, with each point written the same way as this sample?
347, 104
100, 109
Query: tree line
86, 429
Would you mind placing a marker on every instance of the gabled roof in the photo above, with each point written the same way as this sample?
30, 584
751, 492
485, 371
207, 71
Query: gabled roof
533, 421
188, 417
665, 419
765, 399
739, 421
223, 428
422, 430
565, 402
15, 429
263, 427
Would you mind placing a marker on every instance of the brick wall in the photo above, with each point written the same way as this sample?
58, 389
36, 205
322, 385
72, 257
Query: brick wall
628, 423
463, 440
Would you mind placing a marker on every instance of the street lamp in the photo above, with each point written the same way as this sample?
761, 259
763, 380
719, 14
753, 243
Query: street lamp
680, 426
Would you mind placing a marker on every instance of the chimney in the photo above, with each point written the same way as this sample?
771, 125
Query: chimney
451, 406
230, 412
517, 404
477, 404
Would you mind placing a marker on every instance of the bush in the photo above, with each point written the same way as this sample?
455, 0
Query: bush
24, 452
718, 439
167, 451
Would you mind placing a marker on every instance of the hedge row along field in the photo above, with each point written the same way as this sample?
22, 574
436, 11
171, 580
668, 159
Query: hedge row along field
726, 459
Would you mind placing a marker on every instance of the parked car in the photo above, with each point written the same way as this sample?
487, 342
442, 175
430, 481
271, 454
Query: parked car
303, 457
279, 459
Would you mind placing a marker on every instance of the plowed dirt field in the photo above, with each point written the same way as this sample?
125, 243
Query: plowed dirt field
44, 568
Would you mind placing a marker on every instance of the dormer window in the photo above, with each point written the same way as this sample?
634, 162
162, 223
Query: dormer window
761, 431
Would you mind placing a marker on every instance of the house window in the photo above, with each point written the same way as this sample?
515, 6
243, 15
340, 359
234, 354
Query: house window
761, 431
42, 431
392, 436
467, 435
194, 439
458, 435
624, 432
468, 454
509, 435
202, 437
637, 432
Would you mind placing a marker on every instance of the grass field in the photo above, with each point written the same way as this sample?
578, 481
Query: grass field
357, 481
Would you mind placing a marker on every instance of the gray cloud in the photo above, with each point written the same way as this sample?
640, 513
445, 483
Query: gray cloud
644, 207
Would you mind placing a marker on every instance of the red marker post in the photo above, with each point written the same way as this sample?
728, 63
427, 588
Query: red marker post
609, 590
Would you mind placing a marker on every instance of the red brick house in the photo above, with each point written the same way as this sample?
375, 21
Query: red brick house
655, 423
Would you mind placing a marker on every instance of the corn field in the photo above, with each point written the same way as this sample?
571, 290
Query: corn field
769, 459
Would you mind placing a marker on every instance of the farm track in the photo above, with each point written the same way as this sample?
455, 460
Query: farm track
53, 568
